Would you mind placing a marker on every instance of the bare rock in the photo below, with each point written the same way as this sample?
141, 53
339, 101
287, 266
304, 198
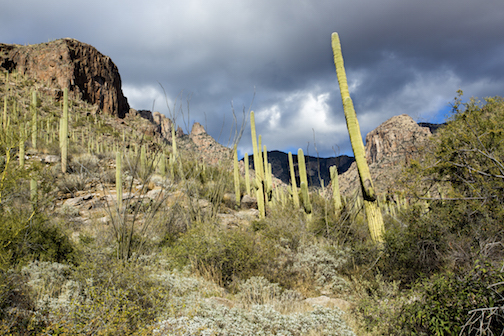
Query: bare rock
389, 147
68, 63
328, 302
248, 202
218, 301
212, 151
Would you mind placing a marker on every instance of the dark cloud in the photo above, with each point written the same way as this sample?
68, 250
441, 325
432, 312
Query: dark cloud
401, 57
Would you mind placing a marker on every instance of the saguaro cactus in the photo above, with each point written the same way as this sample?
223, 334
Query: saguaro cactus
258, 167
34, 120
64, 133
236, 175
295, 197
303, 177
247, 177
119, 191
373, 213
333, 170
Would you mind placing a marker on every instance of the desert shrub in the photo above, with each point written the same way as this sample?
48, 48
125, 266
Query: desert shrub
313, 268
218, 252
259, 320
443, 301
26, 236
416, 249
379, 302
101, 296
17, 307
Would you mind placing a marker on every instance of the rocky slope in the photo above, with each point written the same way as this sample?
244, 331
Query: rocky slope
68, 63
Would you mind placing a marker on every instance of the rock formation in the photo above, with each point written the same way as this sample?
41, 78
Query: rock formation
68, 63
211, 150
389, 147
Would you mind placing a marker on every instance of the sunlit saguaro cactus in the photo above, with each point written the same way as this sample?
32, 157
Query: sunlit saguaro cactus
119, 190
303, 177
22, 146
174, 141
258, 167
295, 196
33, 193
333, 170
236, 175
373, 213
4, 117
34, 119
64, 133
247, 176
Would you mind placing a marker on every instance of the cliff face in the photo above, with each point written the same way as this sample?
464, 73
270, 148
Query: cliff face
389, 148
68, 63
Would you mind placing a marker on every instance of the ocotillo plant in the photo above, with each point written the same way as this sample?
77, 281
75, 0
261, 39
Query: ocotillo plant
64, 133
373, 213
295, 196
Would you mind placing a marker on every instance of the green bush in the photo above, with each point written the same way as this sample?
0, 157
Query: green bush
219, 253
443, 301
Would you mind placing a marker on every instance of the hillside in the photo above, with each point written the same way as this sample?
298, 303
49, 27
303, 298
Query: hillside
141, 229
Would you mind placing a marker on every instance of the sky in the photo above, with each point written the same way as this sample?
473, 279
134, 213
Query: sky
200, 60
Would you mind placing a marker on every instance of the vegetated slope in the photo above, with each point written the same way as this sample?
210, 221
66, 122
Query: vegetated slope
76, 259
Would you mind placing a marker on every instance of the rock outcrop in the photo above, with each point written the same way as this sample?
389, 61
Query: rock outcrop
389, 147
211, 150
68, 63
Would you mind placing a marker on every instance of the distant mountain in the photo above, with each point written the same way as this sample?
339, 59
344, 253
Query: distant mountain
314, 166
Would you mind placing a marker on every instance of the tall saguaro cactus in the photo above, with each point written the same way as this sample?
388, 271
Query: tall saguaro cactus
119, 191
295, 196
303, 178
258, 167
64, 132
236, 175
373, 213
34, 120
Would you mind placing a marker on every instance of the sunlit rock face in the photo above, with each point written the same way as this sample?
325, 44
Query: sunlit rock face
68, 63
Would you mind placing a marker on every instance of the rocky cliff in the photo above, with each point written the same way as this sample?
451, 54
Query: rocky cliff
68, 63
389, 147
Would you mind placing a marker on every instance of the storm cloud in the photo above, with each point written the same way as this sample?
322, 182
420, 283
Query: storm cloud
275, 56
